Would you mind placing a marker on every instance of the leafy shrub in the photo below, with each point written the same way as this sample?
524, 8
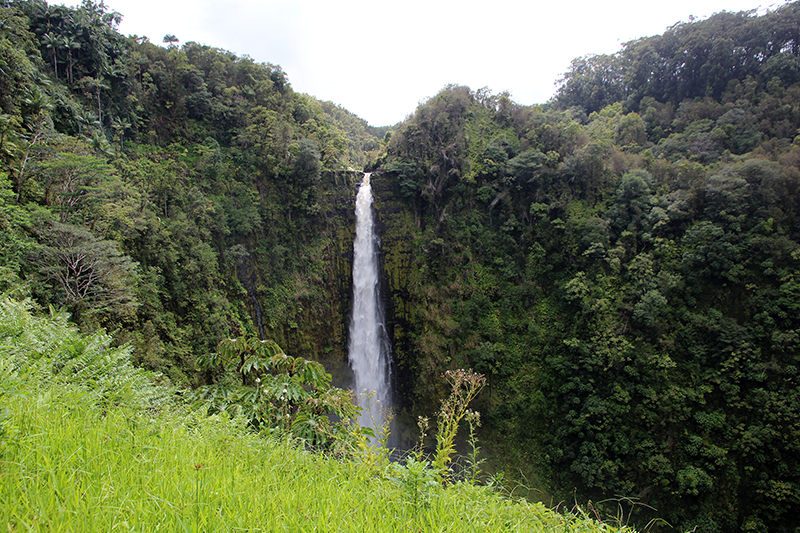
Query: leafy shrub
278, 392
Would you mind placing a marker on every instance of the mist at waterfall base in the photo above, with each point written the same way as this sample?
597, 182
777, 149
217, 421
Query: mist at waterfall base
369, 349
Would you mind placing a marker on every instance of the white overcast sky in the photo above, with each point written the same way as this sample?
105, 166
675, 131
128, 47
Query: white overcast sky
380, 59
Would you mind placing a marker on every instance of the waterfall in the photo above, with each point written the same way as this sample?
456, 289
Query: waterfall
369, 351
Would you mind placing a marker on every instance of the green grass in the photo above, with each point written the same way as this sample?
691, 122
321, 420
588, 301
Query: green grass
82, 450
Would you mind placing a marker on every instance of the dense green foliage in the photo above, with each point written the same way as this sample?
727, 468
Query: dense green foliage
622, 263
274, 390
181, 195
728, 55
90, 443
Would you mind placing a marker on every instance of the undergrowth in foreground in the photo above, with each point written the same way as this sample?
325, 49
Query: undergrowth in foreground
86, 445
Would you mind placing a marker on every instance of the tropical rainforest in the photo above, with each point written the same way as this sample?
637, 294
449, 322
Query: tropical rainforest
621, 263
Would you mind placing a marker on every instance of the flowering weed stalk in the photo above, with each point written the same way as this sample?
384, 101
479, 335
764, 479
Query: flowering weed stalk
464, 386
473, 462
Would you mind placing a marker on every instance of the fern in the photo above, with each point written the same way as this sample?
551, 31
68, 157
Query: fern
51, 351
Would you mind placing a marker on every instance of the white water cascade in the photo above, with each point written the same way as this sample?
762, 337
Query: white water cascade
369, 351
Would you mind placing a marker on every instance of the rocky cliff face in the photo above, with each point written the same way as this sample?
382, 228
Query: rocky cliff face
308, 313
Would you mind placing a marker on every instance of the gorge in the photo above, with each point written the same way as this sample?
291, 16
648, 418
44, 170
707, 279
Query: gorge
621, 263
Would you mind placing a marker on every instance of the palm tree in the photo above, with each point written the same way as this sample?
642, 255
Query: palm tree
87, 119
52, 43
99, 84
37, 101
70, 44
120, 126
92, 87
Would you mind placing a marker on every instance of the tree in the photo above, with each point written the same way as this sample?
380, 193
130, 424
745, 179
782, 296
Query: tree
91, 276
52, 43
72, 180
592, 82
92, 87
70, 44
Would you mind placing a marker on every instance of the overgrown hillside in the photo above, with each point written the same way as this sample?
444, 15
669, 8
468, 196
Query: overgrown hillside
90, 443
622, 265
180, 195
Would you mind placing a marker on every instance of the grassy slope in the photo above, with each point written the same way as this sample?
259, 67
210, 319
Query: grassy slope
87, 445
